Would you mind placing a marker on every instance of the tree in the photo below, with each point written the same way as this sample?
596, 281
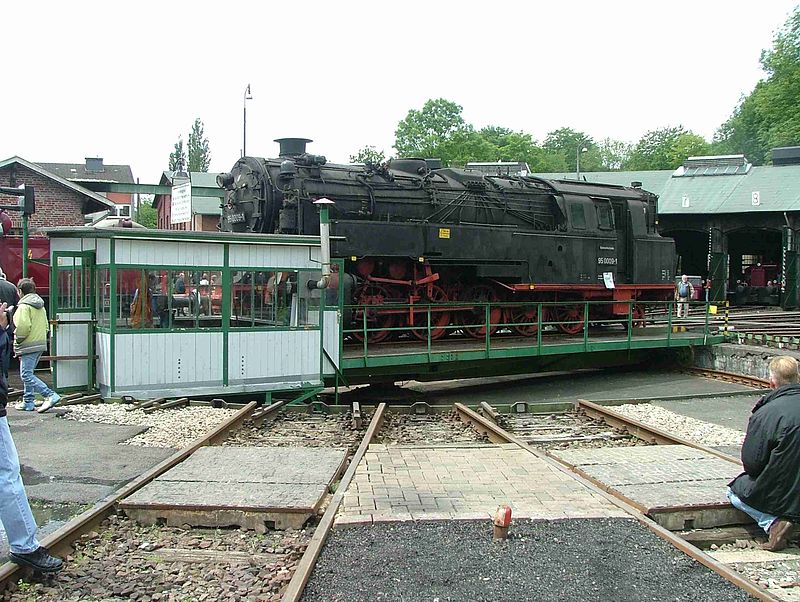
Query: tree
666, 148
568, 143
198, 148
770, 115
432, 131
146, 215
368, 154
613, 154
177, 158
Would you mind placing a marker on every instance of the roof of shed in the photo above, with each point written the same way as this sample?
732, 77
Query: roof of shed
778, 189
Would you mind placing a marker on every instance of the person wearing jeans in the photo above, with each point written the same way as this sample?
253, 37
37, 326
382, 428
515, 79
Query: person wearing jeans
15, 511
30, 341
769, 488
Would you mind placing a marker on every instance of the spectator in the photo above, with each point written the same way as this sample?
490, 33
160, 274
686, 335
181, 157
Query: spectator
30, 341
180, 284
10, 296
769, 488
684, 292
15, 511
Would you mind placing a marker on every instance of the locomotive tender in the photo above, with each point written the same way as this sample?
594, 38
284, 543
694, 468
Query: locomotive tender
413, 232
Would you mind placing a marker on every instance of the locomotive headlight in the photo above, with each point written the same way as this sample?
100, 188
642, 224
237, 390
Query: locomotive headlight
225, 180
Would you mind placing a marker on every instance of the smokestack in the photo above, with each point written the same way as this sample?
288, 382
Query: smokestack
292, 147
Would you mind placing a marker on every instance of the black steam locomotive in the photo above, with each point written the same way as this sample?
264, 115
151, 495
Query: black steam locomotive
414, 232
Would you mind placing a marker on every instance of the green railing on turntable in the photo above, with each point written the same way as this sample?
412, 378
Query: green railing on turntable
417, 332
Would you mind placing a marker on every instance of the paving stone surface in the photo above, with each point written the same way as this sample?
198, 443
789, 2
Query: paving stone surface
446, 482
259, 465
238, 496
657, 475
245, 477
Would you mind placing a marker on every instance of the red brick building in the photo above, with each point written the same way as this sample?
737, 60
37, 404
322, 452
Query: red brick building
205, 213
59, 202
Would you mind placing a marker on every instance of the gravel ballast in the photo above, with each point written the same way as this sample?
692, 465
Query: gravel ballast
591, 559
696, 431
175, 428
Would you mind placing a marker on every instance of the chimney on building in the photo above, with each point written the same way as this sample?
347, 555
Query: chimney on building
94, 165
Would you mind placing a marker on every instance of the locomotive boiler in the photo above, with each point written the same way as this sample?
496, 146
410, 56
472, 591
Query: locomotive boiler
412, 232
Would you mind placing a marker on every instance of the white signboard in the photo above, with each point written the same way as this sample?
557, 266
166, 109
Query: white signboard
685, 201
756, 198
181, 208
608, 279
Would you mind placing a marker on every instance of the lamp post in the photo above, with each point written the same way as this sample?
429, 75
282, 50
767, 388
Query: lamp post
247, 96
580, 149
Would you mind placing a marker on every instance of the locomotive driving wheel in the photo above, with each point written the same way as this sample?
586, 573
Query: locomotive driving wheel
570, 318
418, 318
638, 319
475, 320
372, 296
524, 319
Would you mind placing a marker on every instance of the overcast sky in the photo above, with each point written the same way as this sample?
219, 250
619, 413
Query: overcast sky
124, 80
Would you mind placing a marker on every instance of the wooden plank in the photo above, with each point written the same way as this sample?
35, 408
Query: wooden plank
357, 420
705, 538
199, 556
489, 411
165, 406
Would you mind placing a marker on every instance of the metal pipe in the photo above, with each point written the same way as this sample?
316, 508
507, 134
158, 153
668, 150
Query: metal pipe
325, 244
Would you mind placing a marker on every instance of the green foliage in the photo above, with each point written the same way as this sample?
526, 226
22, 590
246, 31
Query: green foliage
146, 215
770, 115
434, 131
368, 154
177, 158
666, 148
569, 144
613, 154
198, 148
197, 154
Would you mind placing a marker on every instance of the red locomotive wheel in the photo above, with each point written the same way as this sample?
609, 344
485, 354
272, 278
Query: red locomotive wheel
570, 318
418, 318
475, 320
524, 320
638, 318
371, 296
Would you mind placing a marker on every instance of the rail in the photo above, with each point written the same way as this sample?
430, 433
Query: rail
541, 328
61, 540
497, 434
750, 381
305, 567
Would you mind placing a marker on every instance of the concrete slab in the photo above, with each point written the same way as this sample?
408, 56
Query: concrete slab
249, 487
592, 385
80, 462
396, 483
678, 486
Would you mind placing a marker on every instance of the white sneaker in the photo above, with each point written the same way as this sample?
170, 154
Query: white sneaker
20, 405
50, 402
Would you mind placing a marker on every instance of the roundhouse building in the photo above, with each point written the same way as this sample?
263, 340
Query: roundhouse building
732, 222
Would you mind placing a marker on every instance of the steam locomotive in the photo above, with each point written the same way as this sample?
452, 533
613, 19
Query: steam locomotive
412, 232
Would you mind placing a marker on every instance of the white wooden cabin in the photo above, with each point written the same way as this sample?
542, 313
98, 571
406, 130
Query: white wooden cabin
154, 313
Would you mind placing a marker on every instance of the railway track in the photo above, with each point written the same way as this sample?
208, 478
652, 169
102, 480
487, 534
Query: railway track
750, 381
384, 428
257, 563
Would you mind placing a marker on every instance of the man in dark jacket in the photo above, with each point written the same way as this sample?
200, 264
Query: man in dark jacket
15, 511
769, 488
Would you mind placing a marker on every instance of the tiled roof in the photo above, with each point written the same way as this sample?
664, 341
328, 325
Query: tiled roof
76, 172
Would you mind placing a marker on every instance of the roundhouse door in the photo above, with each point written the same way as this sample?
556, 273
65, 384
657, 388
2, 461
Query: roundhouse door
72, 315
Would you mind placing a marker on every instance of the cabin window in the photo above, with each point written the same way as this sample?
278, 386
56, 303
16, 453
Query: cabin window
605, 217
578, 216
195, 299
